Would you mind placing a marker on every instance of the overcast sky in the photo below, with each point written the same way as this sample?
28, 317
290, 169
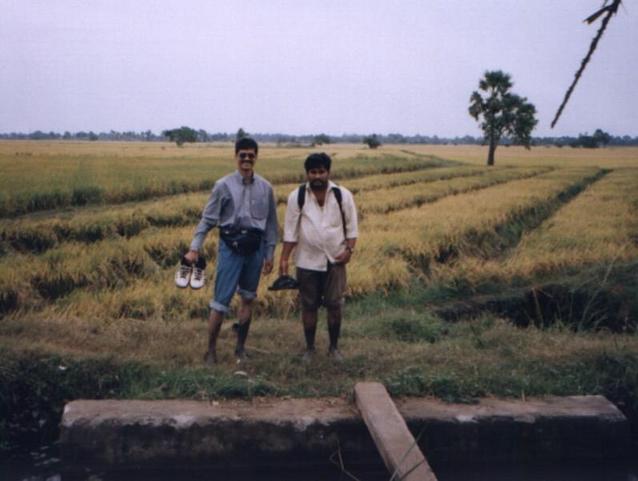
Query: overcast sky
307, 66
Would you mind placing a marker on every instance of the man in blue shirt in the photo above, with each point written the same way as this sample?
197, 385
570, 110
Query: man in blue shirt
242, 205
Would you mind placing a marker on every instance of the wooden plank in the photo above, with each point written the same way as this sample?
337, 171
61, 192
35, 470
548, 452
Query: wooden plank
399, 450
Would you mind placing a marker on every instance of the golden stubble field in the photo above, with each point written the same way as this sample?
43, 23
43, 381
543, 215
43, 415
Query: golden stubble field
94, 274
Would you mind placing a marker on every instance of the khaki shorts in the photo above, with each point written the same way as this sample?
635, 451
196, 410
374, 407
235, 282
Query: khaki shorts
317, 288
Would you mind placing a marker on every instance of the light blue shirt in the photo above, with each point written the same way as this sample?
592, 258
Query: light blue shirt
235, 203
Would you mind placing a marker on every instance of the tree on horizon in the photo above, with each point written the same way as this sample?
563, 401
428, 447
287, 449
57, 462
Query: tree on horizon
372, 141
181, 135
501, 112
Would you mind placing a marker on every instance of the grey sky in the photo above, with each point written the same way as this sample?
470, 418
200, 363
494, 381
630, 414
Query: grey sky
307, 66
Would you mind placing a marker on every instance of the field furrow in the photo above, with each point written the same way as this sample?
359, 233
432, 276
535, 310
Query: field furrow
104, 265
383, 181
386, 200
396, 246
39, 234
599, 227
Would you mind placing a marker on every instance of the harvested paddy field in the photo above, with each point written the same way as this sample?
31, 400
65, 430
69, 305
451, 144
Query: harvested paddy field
468, 281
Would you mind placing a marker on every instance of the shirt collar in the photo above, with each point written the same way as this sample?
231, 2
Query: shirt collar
331, 185
240, 178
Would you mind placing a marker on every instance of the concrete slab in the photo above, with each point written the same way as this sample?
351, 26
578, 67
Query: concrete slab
398, 448
549, 429
295, 433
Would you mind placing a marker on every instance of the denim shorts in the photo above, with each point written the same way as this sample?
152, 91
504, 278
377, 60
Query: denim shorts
235, 273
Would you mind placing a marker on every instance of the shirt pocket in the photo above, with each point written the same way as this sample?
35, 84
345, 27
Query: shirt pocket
335, 221
259, 208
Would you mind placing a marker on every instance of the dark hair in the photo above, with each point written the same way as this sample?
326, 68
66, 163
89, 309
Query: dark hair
246, 143
315, 161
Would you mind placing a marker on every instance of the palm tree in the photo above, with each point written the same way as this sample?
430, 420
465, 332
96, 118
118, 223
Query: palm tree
501, 112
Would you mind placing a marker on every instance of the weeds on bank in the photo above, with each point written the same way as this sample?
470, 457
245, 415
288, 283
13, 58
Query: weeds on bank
459, 363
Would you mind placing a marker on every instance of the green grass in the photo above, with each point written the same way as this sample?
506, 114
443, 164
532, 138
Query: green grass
411, 353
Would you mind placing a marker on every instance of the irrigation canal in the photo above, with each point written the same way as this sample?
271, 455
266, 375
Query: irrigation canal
551, 439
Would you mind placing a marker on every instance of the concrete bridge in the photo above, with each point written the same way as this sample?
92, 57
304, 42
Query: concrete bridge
306, 433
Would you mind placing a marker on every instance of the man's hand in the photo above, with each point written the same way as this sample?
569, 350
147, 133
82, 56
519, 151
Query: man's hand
344, 257
268, 264
283, 267
191, 257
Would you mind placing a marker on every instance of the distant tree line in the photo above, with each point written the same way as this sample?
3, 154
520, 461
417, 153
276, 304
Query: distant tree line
597, 139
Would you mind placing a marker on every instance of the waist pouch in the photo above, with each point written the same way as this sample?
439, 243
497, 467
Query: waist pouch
243, 241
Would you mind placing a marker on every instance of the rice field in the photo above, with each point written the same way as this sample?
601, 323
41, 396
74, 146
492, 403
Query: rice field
51, 175
597, 228
431, 216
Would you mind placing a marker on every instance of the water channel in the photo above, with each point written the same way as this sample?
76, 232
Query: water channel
44, 464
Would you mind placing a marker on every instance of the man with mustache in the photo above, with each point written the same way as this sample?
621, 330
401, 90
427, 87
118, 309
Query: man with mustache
321, 226
242, 205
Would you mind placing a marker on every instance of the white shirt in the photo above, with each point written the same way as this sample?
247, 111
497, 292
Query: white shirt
317, 230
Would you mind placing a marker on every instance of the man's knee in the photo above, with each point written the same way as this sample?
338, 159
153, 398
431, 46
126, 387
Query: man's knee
309, 310
334, 306
247, 301
310, 305
246, 296
216, 306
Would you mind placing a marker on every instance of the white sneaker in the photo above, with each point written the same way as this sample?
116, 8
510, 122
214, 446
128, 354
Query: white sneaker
183, 275
197, 278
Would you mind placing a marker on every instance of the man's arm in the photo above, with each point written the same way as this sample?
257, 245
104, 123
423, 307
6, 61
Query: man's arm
291, 231
352, 229
352, 221
271, 233
346, 255
271, 227
285, 255
210, 218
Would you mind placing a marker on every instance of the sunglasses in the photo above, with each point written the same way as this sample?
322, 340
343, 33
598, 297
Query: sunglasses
246, 156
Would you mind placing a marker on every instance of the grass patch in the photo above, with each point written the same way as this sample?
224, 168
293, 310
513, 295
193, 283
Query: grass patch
34, 387
455, 362
404, 326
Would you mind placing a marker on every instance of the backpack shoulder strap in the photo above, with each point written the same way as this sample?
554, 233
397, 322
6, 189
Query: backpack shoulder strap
301, 196
337, 192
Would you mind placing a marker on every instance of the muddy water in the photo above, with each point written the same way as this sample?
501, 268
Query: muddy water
44, 465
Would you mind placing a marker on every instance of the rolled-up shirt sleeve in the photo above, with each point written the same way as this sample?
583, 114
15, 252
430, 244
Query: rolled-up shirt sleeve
291, 221
210, 216
271, 227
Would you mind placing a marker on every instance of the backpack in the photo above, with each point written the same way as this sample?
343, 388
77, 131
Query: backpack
301, 200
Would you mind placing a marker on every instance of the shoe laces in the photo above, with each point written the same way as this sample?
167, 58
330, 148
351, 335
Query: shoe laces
184, 271
197, 273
